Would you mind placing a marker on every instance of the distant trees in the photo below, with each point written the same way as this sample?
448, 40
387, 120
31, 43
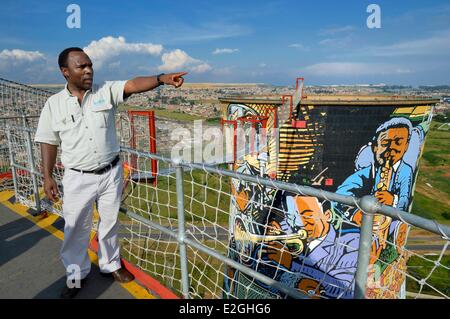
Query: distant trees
435, 87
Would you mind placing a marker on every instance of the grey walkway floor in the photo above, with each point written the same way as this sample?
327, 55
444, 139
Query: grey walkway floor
30, 266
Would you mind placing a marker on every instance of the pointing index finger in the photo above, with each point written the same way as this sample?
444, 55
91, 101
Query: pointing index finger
180, 74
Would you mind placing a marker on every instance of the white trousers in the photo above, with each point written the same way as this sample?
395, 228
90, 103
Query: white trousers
81, 190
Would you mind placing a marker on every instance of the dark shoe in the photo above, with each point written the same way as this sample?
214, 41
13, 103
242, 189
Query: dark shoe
121, 275
69, 293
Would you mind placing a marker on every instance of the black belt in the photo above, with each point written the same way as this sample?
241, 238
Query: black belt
101, 170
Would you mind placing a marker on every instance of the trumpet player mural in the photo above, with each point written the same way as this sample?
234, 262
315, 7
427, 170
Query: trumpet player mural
351, 145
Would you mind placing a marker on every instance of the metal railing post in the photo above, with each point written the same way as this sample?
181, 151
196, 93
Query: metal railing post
369, 207
11, 159
31, 161
181, 233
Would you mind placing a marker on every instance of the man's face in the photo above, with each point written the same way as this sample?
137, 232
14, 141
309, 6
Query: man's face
391, 145
79, 71
315, 221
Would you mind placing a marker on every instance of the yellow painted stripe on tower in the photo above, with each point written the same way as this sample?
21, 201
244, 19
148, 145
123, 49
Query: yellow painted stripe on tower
294, 156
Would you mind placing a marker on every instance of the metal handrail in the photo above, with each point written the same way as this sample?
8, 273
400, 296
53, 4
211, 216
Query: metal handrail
367, 204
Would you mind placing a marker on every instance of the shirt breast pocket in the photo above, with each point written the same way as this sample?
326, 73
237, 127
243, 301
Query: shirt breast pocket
102, 114
67, 123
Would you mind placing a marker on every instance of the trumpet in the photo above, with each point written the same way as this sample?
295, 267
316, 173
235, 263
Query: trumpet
294, 242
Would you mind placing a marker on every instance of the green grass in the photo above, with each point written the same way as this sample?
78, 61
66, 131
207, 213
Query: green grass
430, 208
206, 198
434, 202
435, 158
420, 268
163, 113
5, 168
179, 116
214, 120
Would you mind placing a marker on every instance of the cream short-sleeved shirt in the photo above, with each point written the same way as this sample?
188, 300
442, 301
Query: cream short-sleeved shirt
86, 132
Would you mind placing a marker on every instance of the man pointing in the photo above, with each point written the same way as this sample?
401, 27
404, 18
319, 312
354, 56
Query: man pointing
82, 122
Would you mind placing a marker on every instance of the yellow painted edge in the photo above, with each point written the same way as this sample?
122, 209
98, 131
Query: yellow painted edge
44, 223
133, 288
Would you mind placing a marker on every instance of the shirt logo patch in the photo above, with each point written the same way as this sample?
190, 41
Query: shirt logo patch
99, 102
100, 105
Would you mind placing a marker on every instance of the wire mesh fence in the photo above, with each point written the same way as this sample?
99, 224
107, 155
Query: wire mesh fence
297, 241
20, 105
18, 99
26, 170
312, 248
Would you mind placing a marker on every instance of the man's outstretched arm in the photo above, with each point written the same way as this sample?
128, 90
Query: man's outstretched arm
49, 153
147, 83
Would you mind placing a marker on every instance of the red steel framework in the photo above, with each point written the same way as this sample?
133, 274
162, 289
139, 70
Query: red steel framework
152, 137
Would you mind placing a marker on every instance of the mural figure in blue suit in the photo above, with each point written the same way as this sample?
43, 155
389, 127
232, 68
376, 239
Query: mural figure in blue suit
387, 176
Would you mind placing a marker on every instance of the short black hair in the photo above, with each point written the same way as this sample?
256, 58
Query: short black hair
62, 59
395, 122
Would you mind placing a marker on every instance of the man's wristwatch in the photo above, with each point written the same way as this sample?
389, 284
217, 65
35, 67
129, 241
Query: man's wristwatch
158, 78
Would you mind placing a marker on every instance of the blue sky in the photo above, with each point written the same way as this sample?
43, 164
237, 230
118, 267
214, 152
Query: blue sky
271, 42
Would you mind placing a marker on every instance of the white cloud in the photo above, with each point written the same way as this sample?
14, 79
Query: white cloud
108, 47
201, 68
175, 60
28, 66
354, 69
298, 46
437, 44
328, 41
338, 43
114, 65
178, 59
19, 63
262, 65
17, 56
225, 51
338, 29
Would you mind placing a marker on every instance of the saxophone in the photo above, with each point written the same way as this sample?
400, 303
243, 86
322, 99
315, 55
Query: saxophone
381, 223
385, 176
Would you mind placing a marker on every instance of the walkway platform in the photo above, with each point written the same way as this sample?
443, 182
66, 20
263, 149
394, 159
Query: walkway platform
30, 266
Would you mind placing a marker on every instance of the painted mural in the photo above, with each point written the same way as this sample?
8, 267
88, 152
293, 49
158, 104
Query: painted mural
309, 244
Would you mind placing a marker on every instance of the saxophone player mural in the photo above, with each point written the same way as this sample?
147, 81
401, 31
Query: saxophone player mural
353, 145
389, 177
